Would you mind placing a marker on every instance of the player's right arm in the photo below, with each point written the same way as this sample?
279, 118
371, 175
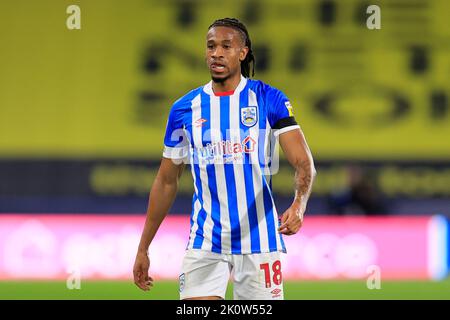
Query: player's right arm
164, 188
162, 195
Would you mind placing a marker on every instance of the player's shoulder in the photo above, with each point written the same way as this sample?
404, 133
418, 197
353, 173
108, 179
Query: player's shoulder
185, 101
262, 88
266, 91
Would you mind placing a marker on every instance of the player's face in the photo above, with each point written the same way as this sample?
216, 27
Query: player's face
224, 52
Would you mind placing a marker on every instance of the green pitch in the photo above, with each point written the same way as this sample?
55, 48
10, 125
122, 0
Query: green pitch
169, 290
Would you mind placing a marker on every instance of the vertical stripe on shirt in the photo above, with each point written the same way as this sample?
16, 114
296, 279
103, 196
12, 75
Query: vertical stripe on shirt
219, 210
236, 137
199, 214
229, 182
247, 168
256, 177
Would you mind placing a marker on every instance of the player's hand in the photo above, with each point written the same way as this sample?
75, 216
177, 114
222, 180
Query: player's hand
292, 219
140, 271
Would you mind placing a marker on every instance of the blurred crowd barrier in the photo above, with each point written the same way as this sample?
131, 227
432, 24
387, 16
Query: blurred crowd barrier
103, 247
122, 186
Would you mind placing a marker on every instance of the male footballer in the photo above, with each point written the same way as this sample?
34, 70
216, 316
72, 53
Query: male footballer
226, 131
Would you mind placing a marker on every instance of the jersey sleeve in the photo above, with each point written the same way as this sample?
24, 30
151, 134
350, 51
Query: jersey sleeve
176, 144
280, 112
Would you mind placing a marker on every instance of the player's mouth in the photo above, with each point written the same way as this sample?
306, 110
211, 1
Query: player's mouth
217, 67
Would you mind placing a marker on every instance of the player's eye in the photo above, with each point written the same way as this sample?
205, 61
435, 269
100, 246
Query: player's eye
226, 46
210, 46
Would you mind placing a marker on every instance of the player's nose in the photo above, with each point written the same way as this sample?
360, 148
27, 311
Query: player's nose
217, 53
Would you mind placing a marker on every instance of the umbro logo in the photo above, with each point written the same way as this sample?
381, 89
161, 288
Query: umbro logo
275, 293
199, 122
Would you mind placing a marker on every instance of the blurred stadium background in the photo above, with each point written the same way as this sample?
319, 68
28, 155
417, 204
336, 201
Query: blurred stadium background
82, 118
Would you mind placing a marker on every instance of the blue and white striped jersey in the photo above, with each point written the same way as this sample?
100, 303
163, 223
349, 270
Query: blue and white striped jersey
229, 141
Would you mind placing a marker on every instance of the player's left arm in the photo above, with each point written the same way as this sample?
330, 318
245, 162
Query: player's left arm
298, 154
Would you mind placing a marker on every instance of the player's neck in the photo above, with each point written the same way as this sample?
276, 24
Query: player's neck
228, 85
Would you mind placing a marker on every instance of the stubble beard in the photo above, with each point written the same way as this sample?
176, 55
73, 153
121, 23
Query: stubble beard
219, 80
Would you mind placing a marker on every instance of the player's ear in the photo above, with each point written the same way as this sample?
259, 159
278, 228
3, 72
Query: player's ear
243, 53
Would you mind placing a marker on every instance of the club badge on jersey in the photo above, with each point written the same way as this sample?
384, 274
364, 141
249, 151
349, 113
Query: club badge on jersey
249, 116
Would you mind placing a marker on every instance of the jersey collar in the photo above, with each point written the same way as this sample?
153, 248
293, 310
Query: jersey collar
208, 87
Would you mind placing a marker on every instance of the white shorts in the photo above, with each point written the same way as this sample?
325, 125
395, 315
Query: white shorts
255, 276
